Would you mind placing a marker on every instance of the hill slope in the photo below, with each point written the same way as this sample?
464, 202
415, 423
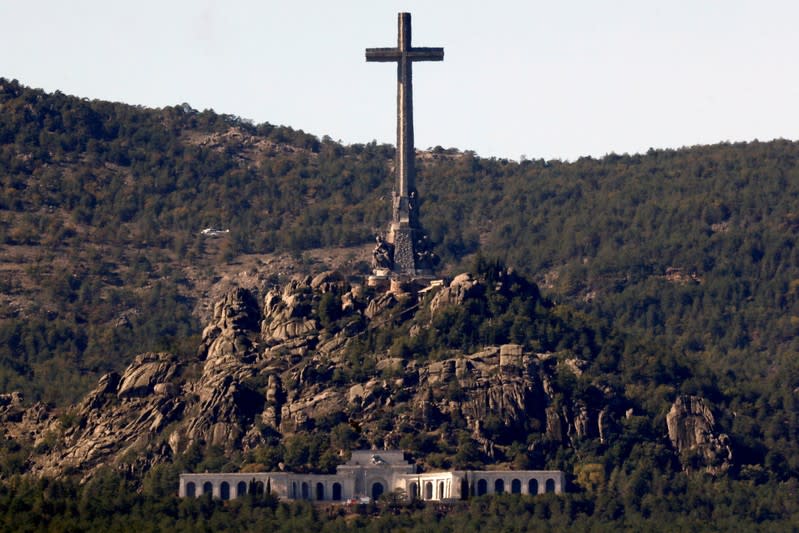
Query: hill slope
482, 370
102, 204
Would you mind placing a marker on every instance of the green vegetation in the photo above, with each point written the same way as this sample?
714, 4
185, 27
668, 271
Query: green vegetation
649, 502
671, 271
690, 248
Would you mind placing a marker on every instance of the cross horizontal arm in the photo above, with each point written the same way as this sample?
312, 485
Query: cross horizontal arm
426, 54
383, 54
395, 54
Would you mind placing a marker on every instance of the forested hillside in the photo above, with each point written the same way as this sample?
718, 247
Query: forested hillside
689, 255
694, 246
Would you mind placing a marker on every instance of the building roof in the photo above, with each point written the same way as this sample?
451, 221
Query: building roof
377, 457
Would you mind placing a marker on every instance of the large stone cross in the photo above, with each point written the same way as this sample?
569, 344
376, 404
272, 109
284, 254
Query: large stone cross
404, 217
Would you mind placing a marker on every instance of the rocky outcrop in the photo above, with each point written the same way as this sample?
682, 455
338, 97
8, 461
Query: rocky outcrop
225, 403
692, 432
462, 287
380, 305
330, 281
235, 318
11, 407
131, 414
118, 417
269, 365
147, 372
288, 313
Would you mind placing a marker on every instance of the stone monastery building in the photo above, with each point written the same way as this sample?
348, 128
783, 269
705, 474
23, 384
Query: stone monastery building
371, 473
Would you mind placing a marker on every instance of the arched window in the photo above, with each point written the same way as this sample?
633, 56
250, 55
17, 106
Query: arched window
499, 486
191, 489
224, 490
306, 493
550, 485
428, 491
440, 490
377, 490
208, 488
482, 487
257, 488
532, 486
293, 490
413, 490
241, 489
337, 491
516, 487
320, 491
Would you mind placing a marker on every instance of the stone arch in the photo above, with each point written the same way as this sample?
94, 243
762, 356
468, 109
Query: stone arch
224, 490
306, 491
241, 489
499, 486
532, 486
377, 490
337, 491
482, 487
441, 490
208, 488
320, 491
516, 486
293, 490
191, 489
428, 490
413, 490
550, 485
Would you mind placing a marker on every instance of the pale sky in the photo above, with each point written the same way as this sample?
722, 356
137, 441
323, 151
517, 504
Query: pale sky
540, 79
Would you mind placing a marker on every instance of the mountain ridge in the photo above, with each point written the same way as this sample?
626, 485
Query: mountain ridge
690, 252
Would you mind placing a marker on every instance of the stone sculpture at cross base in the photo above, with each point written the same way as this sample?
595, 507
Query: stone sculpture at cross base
383, 255
405, 253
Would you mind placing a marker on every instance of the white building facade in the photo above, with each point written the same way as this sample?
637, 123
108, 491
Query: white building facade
371, 474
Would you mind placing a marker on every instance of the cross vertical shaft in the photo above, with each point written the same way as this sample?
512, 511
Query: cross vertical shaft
402, 234
405, 161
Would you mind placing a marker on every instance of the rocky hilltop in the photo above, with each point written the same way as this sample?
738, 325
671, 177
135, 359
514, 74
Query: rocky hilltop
319, 352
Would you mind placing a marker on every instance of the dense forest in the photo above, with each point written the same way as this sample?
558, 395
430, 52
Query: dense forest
689, 252
109, 502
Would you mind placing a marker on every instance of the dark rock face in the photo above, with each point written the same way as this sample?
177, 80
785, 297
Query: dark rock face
692, 432
268, 367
